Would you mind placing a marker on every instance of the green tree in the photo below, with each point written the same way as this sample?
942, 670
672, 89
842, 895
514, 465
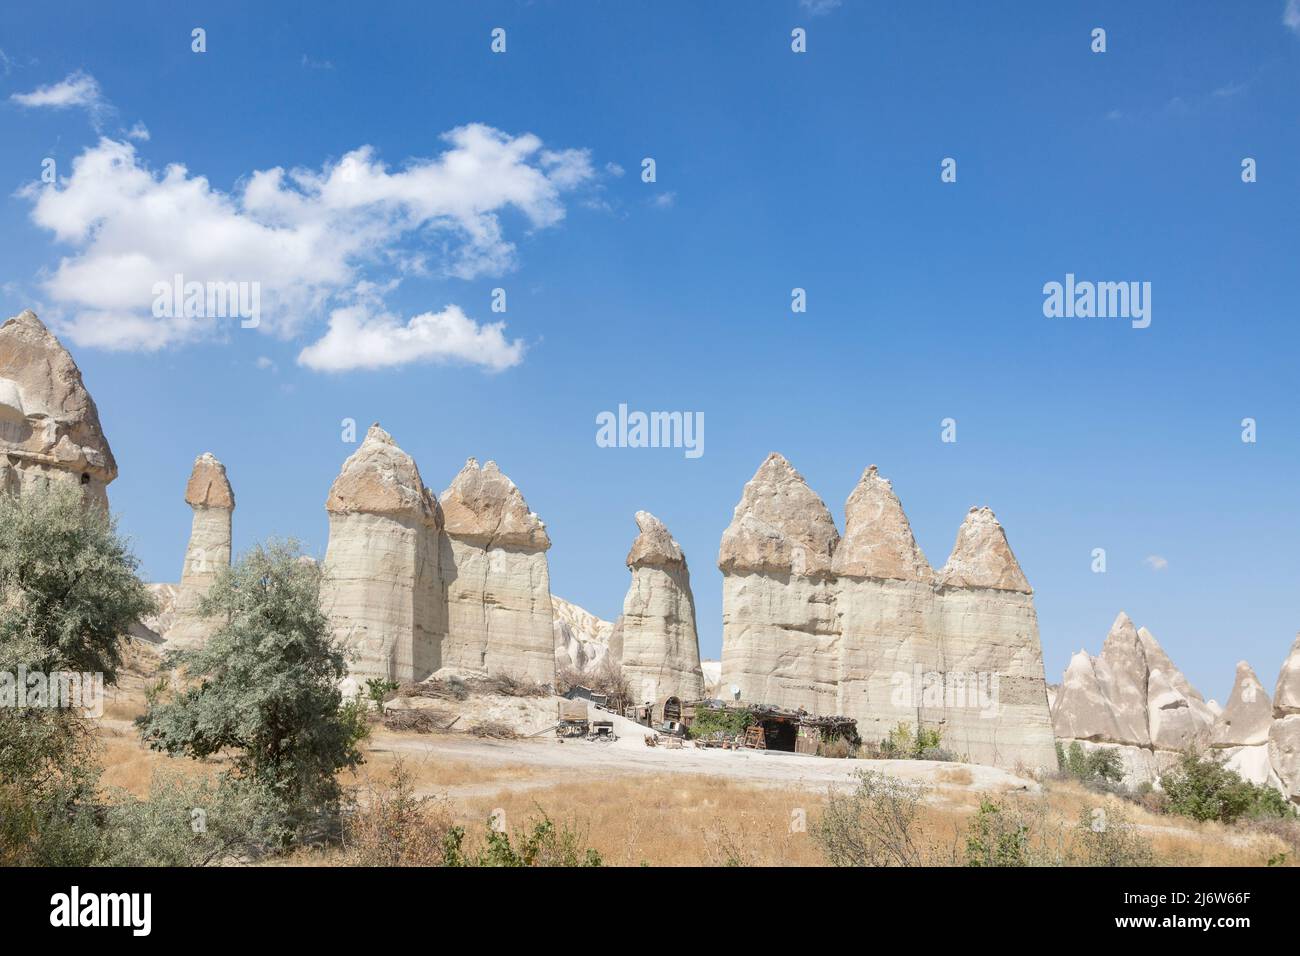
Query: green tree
1205, 790
265, 689
68, 594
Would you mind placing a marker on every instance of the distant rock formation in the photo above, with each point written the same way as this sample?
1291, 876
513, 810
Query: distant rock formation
1133, 698
581, 638
493, 563
780, 636
382, 588
1241, 730
1284, 735
661, 651
864, 627
49, 425
209, 494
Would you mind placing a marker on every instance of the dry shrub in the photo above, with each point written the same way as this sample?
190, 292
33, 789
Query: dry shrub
414, 721
453, 688
606, 678
394, 827
495, 729
960, 776
508, 686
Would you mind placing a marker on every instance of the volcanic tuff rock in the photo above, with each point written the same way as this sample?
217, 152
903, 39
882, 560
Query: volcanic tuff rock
780, 636
1241, 730
875, 634
1133, 698
382, 588
661, 652
581, 638
1246, 720
49, 425
1284, 735
493, 562
209, 494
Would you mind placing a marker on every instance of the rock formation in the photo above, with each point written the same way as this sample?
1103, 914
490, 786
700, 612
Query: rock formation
864, 627
780, 635
493, 563
382, 588
49, 425
209, 494
1284, 735
661, 652
581, 638
1133, 698
987, 632
1240, 735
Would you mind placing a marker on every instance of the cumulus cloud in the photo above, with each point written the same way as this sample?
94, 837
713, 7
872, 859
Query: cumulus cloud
1155, 562
78, 90
359, 339
312, 239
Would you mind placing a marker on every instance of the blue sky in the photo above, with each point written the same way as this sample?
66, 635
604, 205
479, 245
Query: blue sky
774, 170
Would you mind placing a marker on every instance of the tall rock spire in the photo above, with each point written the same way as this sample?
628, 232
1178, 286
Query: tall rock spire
493, 562
209, 494
780, 633
661, 650
381, 587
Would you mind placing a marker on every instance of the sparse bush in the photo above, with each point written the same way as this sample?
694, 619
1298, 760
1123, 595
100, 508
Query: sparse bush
903, 743
416, 721
1099, 769
540, 843
996, 836
606, 678
1108, 838
874, 825
379, 690
394, 827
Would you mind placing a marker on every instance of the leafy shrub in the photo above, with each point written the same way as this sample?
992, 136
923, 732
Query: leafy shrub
730, 722
996, 837
1095, 768
265, 689
1205, 790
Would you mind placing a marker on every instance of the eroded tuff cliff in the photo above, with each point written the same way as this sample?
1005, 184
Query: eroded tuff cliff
864, 626
209, 494
661, 651
49, 425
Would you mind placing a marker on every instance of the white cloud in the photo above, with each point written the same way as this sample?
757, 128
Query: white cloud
1291, 15
76, 90
665, 200
1155, 562
311, 239
359, 339
138, 131
817, 7
266, 364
